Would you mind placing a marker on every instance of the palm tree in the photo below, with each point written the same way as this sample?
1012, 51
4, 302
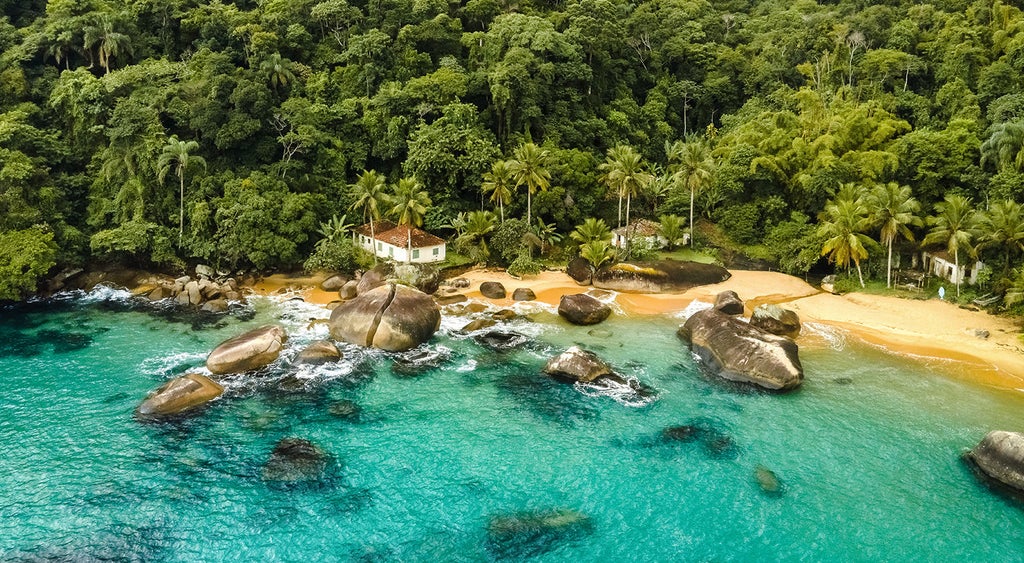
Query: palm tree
278, 70
894, 211
692, 167
843, 224
368, 196
1005, 147
547, 234
1015, 292
477, 226
529, 167
110, 42
953, 226
1002, 226
178, 154
624, 173
597, 252
671, 229
591, 230
499, 183
410, 204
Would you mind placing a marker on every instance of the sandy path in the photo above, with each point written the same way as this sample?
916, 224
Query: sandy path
928, 328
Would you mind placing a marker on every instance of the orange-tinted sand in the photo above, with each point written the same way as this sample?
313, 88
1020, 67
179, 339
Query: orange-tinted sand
921, 328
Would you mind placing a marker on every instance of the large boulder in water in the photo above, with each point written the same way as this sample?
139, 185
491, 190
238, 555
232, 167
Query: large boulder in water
739, 352
248, 351
180, 395
391, 317
776, 320
296, 462
576, 364
1000, 456
582, 309
658, 277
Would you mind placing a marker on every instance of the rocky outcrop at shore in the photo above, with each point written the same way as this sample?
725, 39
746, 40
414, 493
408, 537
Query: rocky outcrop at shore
492, 290
178, 396
580, 271
249, 351
729, 303
658, 277
578, 365
391, 317
582, 309
737, 351
1000, 457
317, 353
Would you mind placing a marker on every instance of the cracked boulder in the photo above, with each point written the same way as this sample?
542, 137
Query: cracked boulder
391, 317
249, 351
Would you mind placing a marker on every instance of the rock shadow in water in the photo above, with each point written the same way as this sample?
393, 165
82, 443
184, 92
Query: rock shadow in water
530, 534
547, 399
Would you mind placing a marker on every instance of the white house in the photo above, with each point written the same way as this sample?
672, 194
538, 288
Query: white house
942, 265
401, 243
641, 229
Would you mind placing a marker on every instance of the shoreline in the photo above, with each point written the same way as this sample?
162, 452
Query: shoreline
916, 329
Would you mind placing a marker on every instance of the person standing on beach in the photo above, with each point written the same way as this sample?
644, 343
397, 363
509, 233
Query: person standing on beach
942, 292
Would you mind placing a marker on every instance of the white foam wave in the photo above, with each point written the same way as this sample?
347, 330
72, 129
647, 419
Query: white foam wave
695, 306
172, 364
625, 394
835, 337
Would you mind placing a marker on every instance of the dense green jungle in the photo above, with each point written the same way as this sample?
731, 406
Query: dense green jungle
254, 134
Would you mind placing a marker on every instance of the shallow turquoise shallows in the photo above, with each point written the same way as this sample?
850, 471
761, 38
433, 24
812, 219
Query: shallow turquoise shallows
867, 452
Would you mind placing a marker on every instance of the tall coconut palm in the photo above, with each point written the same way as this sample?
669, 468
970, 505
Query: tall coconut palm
529, 168
843, 224
409, 203
692, 166
109, 42
278, 70
179, 155
893, 211
624, 173
1002, 226
499, 183
368, 196
953, 226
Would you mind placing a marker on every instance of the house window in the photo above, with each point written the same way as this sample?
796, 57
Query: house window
435, 251
379, 246
391, 252
415, 253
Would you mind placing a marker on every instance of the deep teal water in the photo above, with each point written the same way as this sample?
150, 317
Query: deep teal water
867, 451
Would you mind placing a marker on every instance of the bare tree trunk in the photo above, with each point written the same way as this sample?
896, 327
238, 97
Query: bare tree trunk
373, 241
181, 207
888, 268
860, 276
956, 272
691, 217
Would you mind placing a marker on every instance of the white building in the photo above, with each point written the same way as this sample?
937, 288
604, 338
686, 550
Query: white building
401, 243
942, 265
641, 229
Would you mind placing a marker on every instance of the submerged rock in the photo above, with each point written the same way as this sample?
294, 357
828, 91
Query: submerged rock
767, 480
249, 351
527, 534
739, 352
296, 462
582, 309
319, 352
180, 395
717, 443
1000, 456
391, 317
776, 320
345, 410
501, 340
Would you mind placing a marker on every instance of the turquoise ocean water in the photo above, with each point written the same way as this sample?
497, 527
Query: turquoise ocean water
867, 451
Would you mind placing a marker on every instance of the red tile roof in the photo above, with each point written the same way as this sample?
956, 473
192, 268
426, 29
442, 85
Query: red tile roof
639, 228
378, 227
399, 236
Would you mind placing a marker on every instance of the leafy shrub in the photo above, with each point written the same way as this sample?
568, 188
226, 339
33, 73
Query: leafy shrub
332, 255
25, 256
524, 265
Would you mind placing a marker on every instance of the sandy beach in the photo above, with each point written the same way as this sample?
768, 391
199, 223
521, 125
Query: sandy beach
916, 328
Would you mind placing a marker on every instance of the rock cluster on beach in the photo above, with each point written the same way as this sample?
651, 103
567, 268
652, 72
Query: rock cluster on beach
202, 291
741, 352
